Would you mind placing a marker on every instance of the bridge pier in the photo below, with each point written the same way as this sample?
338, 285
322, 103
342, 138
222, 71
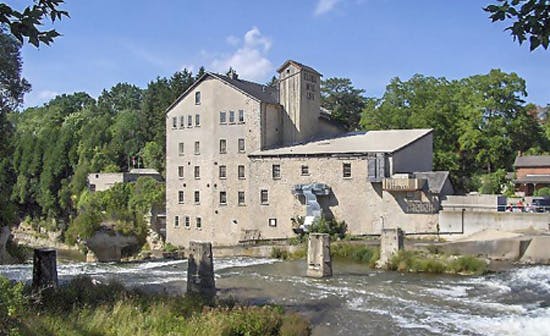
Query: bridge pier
200, 270
319, 262
391, 242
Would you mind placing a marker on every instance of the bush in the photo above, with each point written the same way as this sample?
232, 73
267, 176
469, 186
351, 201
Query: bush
279, 253
11, 306
20, 252
413, 261
543, 191
468, 265
355, 252
336, 230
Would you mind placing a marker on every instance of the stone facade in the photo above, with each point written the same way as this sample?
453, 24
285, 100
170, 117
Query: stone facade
221, 191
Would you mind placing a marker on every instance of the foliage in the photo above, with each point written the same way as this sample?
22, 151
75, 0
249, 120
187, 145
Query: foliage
493, 183
543, 191
24, 24
20, 252
87, 307
344, 101
356, 252
168, 247
415, 261
336, 230
285, 254
11, 306
531, 20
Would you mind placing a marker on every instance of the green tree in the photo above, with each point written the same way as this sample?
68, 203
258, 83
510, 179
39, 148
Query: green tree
530, 20
153, 156
343, 101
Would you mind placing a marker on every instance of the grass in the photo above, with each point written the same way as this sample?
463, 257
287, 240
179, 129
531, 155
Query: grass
356, 252
283, 254
85, 308
418, 262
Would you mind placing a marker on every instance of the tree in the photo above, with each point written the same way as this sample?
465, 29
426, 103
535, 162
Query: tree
531, 20
343, 100
25, 24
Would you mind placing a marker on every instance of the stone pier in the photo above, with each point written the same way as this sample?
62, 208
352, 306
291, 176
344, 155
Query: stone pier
44, 273
391, 241
319, 262
200, 270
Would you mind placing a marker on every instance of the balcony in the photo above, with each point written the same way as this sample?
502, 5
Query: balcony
402, 184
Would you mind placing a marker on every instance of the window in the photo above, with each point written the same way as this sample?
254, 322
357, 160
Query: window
189, 121
187, 221
197, 98
223, 198
241, 197
240, 171
264, 199
231, 117
223, 172
180, 197
272, 222
241, 116
197, 197
346, 170
181, 148
197, 120
223, 117
241, 145
276, 171
182, 121
180, 171
197, 148
199, 222
223, 146
305, 170
174, 122
197, 172
176, 221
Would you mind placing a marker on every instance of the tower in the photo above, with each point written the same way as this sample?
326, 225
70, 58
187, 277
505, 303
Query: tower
299, 94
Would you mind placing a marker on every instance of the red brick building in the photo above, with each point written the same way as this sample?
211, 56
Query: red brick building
532, 173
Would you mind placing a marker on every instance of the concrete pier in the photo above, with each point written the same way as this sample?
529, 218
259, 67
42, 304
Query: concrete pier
44, 273
319, 262
391, 242
200, 270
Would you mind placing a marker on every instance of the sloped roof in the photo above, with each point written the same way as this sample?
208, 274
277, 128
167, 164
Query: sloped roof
532, 161
436, 179
386, 141
299, 65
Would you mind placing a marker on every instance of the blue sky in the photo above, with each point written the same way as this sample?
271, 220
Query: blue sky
370, 41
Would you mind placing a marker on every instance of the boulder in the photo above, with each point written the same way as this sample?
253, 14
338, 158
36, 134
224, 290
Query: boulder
5, 257
108, 245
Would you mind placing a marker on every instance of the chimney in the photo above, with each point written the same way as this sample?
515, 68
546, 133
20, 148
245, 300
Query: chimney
232, 74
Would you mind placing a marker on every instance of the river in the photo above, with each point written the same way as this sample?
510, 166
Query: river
356, 300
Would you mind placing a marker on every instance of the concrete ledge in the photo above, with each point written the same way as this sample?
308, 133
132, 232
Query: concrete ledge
538, 251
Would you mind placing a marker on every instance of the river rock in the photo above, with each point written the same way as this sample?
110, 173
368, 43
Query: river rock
5, 257
107, 244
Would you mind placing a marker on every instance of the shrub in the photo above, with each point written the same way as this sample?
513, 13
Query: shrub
356, 252
279, 253
20, 252
543, 191
468, 265
11, 306
336, 230
170, 248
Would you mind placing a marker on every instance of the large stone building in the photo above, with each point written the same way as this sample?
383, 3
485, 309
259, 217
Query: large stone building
244, 159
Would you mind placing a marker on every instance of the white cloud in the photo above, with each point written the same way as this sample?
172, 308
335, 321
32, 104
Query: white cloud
325, 6
233, 40
47, 94
250, 59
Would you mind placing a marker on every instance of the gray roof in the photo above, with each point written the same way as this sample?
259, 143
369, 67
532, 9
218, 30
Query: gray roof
436, 179
261, 92
299, 65
386, 141
543, 179
532, 161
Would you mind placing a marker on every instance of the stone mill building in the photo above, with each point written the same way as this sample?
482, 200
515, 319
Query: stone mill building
245, 159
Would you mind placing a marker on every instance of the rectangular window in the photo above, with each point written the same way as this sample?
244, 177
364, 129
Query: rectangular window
174, 122
241, 145
231, 117
305, 170
241, 197
197, 198
180, 197
241, 116
180, 171
223, 172
197, 148
264, 199
223, 198
197, 120
197, 172
189, 121
346, 170
187, 221
276, 171
240, 171
197, 98
176, 221
199, 222
272, 222
181, 148
223, 117
223, 146
182, 121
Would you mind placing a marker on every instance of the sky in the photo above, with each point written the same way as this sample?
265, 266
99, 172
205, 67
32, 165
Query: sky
369, 41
